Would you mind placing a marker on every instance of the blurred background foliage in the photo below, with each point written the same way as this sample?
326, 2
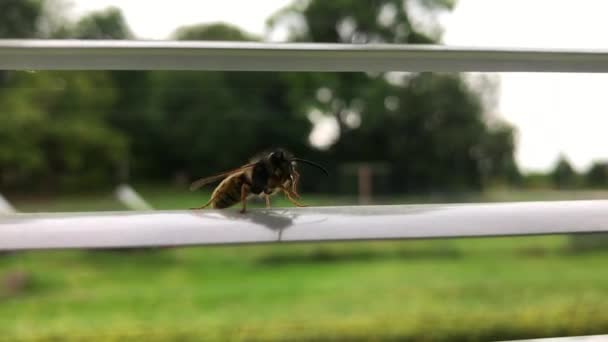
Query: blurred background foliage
62, 130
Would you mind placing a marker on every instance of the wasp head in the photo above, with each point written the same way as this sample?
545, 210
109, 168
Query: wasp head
281, 163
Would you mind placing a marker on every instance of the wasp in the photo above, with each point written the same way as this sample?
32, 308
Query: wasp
265, 175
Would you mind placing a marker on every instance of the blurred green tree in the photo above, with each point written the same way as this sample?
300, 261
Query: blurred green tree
106, 24
431, 128
360, 21
214, 31
68, 142
597, 175
356, 22
64, 115
495, 156
133, 112
20, 18
563, 175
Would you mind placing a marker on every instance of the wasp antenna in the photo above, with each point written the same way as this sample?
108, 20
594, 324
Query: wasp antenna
312, 164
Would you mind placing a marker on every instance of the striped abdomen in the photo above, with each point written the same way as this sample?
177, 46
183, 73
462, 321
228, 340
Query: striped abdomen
228, 192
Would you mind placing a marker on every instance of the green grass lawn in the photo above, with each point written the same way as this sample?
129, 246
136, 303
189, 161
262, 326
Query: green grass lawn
437, 290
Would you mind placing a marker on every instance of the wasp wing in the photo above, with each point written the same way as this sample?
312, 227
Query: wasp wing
208, 180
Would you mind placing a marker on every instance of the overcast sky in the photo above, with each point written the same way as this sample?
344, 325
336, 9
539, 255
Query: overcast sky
554, 113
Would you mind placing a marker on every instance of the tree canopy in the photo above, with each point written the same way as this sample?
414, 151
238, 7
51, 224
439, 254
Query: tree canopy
563, 175
429, 127
82, 127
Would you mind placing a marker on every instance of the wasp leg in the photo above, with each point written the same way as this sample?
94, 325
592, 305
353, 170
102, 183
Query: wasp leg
291, 199
244, 192
294, 184
206, 204
267, 201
